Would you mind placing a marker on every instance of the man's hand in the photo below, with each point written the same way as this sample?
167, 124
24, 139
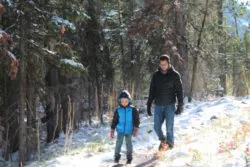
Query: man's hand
179, 110
149, 110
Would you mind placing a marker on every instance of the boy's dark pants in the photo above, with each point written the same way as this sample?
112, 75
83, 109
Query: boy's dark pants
129, 146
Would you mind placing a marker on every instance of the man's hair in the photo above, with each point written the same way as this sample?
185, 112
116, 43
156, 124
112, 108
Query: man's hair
165, 57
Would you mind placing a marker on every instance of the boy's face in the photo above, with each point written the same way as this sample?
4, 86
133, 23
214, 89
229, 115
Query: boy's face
124, 102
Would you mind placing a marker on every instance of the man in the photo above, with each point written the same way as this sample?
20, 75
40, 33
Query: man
165, 86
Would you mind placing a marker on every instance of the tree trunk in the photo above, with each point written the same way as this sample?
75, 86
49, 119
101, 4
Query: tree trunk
53, 112
97, 109
94, 42
180, 26
11, 116
98, 91
235, 18
89, 103
239, 84
22, 104
223, 60
197, 52
31, 122
122, 46
133, 72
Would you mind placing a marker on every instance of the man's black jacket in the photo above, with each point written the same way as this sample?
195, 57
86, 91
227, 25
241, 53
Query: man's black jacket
164, 88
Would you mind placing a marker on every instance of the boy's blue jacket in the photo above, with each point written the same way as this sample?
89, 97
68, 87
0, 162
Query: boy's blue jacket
125, 119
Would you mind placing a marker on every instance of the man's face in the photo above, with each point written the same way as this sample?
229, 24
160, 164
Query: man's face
124, 102
164, 65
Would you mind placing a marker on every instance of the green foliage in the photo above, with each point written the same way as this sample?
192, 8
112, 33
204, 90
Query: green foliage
70, 67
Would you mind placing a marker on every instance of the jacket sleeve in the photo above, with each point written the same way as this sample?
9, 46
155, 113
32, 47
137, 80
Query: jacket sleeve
136, 118
179, 89
151, 96
115, 120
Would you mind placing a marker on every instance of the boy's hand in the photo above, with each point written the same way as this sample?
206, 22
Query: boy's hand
135, 132
112, 134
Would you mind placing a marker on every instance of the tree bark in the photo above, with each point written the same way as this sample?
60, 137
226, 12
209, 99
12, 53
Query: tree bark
122, 46
89, 103
31, 122
53, 112
180, 27
133, 72
223, 60
235, 18
94, 41
197, 52
22, 104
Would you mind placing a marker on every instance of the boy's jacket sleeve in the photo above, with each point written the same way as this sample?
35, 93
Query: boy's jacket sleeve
136, 118
115, 120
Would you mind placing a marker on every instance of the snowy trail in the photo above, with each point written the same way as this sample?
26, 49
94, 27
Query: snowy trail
199, 132
213, 133
141, 158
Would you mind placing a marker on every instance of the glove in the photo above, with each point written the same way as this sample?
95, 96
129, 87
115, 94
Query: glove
112, 134
179, 109
135, 132
149, 110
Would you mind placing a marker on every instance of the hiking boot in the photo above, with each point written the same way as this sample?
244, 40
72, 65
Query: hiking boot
129, 161
170, 146
163, 145
117, 158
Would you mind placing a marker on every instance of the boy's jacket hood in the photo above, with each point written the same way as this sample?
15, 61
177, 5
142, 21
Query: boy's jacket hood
125, 94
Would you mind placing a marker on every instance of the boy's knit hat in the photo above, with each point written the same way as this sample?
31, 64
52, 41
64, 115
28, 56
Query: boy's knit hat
125, 94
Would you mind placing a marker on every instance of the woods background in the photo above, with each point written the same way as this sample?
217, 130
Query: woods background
63, 63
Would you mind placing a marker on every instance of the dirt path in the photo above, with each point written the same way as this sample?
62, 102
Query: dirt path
141, 158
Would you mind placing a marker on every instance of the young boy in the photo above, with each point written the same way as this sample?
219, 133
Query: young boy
126, 122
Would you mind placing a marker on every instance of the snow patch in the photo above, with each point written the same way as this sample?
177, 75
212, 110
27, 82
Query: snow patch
72, 63
112, 13
58, 20
11, 55
49, 51
10, 3
1, 33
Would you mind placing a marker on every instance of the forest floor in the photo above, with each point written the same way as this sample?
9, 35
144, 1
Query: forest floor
208, 133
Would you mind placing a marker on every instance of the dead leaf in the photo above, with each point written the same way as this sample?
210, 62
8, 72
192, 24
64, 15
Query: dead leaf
63, 29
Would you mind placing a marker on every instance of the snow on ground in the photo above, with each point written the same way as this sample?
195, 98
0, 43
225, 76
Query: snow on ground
209, 133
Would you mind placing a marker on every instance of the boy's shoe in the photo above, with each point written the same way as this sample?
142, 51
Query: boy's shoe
129, 161
117, 158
